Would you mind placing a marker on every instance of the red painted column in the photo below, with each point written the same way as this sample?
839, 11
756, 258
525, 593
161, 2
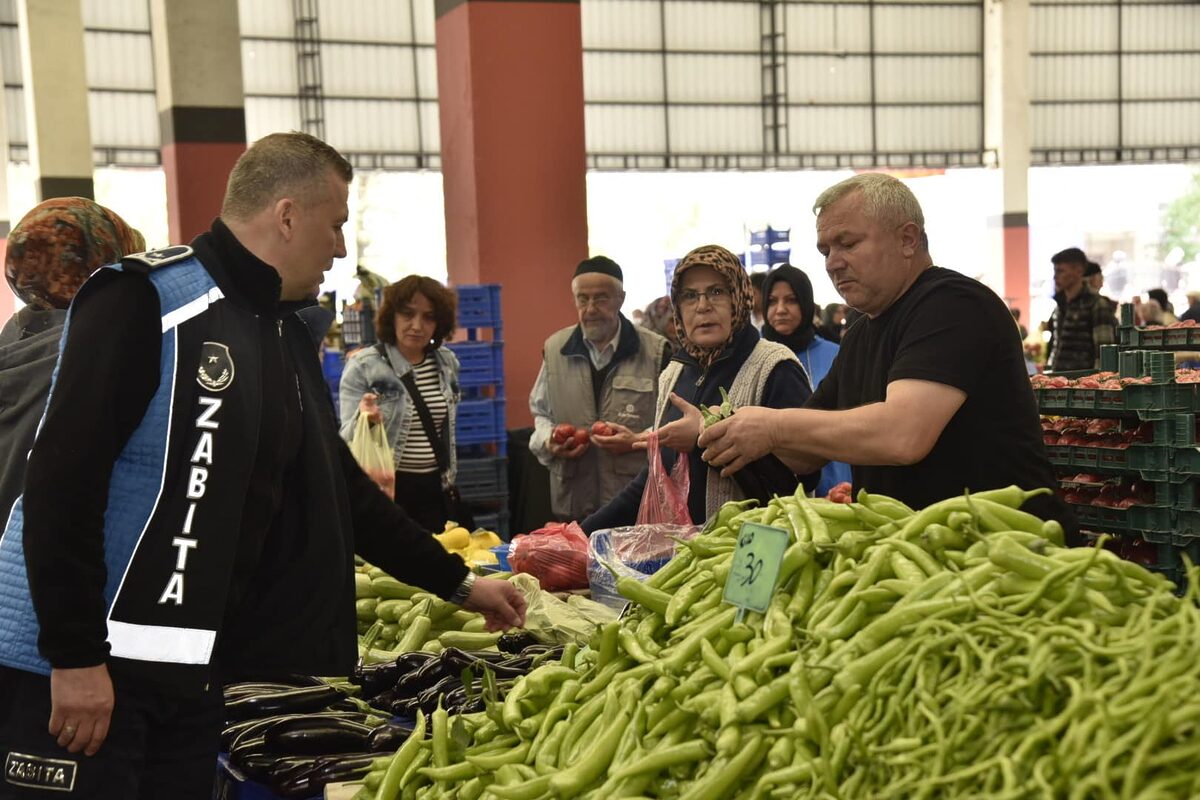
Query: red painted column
1016, 263
198, 63
510, 97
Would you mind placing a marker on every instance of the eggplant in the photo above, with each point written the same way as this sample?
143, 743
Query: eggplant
375, 678
287, 766
312, 782
231, 732
235, 690
421, 678
338, 736
516, 642
387, 738
406, 708
319, 772
255, 766
291, 701
455, 661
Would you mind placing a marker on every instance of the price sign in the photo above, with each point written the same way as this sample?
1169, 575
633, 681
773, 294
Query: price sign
756, 562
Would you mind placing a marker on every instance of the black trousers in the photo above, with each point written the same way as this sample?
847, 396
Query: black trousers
420, 494
159, 746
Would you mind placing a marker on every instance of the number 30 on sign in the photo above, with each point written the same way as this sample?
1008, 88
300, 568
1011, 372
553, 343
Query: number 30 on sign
756, 562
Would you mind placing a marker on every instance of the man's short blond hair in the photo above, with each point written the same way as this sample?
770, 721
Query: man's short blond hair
280, 165
885, 199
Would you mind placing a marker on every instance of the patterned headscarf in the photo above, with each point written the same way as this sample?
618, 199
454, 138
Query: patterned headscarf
57, 245
741, 292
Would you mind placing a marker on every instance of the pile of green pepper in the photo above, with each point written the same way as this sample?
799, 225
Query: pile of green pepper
958, 651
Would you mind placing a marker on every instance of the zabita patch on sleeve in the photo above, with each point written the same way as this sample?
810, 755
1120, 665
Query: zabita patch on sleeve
55, 774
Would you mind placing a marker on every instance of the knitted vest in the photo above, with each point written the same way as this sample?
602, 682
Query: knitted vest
747, 390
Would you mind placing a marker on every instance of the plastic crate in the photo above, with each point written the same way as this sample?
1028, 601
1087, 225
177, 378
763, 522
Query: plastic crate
1176, 337
1140, 337
479, 363
1186, 461
482, 478
479, 306
481, 422
1059, 454
497, 523
770, 236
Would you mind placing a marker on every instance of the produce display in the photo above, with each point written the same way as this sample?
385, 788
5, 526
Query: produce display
299, 737
474, 548
957, 651
1106, 380
396, 618
1090, 432
456, 680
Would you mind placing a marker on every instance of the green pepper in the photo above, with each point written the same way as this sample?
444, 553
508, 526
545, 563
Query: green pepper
389, 787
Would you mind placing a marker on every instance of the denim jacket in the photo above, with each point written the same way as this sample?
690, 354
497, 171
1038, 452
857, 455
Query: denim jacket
366, 371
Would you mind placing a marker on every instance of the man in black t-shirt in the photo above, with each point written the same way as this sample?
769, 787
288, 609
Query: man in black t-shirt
928, 395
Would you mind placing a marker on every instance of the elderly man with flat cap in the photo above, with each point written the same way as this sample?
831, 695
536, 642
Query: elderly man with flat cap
603, 369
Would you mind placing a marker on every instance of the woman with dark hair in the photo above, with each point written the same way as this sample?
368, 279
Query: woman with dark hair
406, 371
787, 293
713, 301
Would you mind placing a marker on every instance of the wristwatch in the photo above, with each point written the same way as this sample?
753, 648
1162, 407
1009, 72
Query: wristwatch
464, 590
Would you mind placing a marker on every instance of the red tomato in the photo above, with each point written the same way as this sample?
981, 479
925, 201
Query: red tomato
581, 437
562, 432
602, 428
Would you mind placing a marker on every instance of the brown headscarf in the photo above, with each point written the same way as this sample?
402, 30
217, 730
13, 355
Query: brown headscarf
57, 245
741, 292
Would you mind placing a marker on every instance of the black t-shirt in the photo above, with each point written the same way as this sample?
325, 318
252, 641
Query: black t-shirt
949, 329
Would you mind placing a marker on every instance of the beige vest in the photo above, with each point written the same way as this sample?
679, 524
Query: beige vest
747, 390
579, 486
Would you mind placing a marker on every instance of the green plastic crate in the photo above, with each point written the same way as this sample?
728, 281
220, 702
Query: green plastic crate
1186, 461
1059, 454
1176, 337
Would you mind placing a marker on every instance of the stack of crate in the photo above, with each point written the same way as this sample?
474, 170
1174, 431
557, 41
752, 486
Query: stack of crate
1163, 460
481, 434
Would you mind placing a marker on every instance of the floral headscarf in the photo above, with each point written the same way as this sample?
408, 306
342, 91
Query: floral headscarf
58, 244
741, 292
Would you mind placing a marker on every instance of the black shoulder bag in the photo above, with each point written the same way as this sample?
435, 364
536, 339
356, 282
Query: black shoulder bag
455, 507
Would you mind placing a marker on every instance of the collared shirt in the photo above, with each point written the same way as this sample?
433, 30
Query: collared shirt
603, 356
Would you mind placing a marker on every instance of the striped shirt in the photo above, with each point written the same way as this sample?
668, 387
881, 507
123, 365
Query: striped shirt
418, 454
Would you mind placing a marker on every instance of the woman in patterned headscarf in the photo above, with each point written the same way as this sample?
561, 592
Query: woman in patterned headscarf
51, 252
58, 244
713, 302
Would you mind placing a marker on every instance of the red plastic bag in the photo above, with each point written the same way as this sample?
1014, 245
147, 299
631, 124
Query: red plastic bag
665, 498
557, 555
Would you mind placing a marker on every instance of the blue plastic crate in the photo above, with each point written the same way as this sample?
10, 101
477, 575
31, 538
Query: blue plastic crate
770, 236
481, 422
497, 523
479, 306
482, 478
480, 363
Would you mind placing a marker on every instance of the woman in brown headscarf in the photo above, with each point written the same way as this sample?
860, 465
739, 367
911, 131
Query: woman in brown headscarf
713, 300
51, 252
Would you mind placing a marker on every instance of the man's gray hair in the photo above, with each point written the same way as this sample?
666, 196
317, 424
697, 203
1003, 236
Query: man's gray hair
885, 199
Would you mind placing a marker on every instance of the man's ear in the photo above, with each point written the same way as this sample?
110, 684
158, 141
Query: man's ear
283, 217
910, 239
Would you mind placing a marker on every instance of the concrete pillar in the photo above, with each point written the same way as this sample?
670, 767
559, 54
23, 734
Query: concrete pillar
56, 97
201, 106
1007, 132
510, 97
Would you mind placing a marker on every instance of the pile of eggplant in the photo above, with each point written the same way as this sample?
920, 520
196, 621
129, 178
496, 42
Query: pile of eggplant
457, 679
301, 735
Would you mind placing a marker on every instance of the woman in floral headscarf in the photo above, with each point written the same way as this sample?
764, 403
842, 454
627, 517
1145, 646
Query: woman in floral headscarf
51, 252
719, 349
